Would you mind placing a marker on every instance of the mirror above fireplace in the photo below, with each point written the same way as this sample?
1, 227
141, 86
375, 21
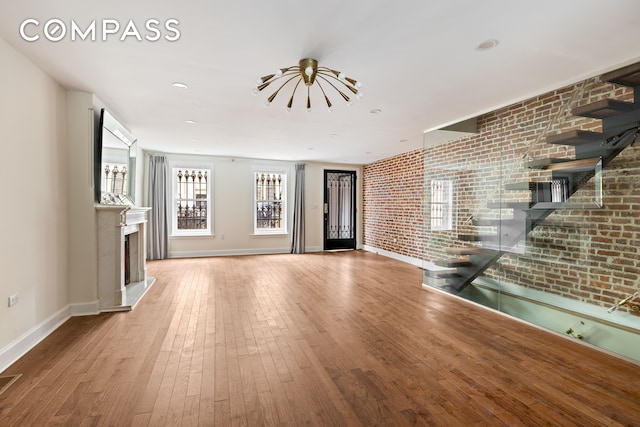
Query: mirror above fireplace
114, 162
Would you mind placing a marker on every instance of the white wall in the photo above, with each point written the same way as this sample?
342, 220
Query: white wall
233, 207
34, 215
83, 287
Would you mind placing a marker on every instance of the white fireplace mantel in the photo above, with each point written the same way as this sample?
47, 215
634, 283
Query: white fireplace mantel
116, 225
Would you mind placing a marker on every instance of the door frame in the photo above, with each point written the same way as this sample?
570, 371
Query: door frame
335, 244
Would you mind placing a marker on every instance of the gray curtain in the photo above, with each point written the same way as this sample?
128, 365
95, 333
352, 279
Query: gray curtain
297, 243
157, 232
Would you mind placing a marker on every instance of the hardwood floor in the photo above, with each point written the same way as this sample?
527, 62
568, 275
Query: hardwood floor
344, 338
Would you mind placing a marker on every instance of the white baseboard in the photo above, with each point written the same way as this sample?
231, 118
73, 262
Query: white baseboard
14, 351
227, 252
232, 252
399, 257
18, 348
85, 308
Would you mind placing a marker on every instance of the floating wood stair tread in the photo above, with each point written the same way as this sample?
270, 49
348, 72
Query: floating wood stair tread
582, 165
575, 137
468, 250
486, 222
496, 222
453, 262
508, 205
543, 163
520, 186
476, 237
627, 76
548, 205
604, 108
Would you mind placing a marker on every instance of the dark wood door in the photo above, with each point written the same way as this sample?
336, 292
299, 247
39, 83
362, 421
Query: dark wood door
339, 209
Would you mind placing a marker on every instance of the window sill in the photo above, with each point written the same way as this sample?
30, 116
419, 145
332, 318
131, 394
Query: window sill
191, 236
262, 235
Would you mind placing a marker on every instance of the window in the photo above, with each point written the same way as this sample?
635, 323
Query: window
191, 201
441, 204
270, 202
114, 178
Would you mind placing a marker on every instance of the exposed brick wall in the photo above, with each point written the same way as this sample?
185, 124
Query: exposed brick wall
393, 209
589, 255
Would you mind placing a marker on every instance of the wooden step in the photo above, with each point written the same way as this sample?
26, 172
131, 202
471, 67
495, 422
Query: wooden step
627, 76
477, 237
453, 262
499, 222
482, 222
575, 137
543, 163
582, 165
604, 108
508, 205
520, 186
467, 250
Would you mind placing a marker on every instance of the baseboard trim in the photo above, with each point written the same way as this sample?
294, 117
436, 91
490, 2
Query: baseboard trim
237, 252
399, 257
18, 348
228, 252
85, 309
15, 350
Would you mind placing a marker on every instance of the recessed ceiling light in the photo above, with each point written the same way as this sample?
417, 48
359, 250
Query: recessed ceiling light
190, 121
180, 85
404, 140
333, 135
375, 110
487, 44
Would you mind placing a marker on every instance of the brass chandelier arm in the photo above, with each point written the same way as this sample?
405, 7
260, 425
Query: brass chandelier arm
287, 70
336, 73
292, 95
273, 95
347, 83
326, 98
309, 72
344, 95
290, 72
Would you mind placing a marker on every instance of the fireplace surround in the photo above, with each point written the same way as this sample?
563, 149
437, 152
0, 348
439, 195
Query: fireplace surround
122, 274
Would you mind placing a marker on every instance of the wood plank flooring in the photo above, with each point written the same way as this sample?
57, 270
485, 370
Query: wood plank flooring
331, 339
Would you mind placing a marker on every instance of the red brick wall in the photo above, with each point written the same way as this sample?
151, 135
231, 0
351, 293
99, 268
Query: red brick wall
590, 255
393, 212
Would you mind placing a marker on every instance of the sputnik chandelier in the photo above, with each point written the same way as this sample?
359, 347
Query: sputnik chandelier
309, 72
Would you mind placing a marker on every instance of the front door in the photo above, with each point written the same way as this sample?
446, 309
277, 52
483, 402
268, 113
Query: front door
339, 210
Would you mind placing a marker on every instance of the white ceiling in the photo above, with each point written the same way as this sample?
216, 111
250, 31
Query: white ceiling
416, 59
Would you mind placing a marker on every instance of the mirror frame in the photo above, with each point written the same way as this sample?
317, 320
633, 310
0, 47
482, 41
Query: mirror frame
105, 122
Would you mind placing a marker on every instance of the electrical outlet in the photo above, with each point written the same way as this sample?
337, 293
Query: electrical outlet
13, 300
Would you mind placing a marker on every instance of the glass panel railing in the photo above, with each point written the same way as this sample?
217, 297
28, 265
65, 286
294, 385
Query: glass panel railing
538, 221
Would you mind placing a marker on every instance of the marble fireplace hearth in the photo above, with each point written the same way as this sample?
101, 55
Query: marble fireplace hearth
121, 249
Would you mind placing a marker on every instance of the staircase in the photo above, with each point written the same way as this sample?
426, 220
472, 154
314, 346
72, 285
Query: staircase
593, 151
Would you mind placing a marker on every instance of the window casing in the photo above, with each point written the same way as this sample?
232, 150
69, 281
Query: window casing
442, 204
270, 202
192, 207
114, 178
